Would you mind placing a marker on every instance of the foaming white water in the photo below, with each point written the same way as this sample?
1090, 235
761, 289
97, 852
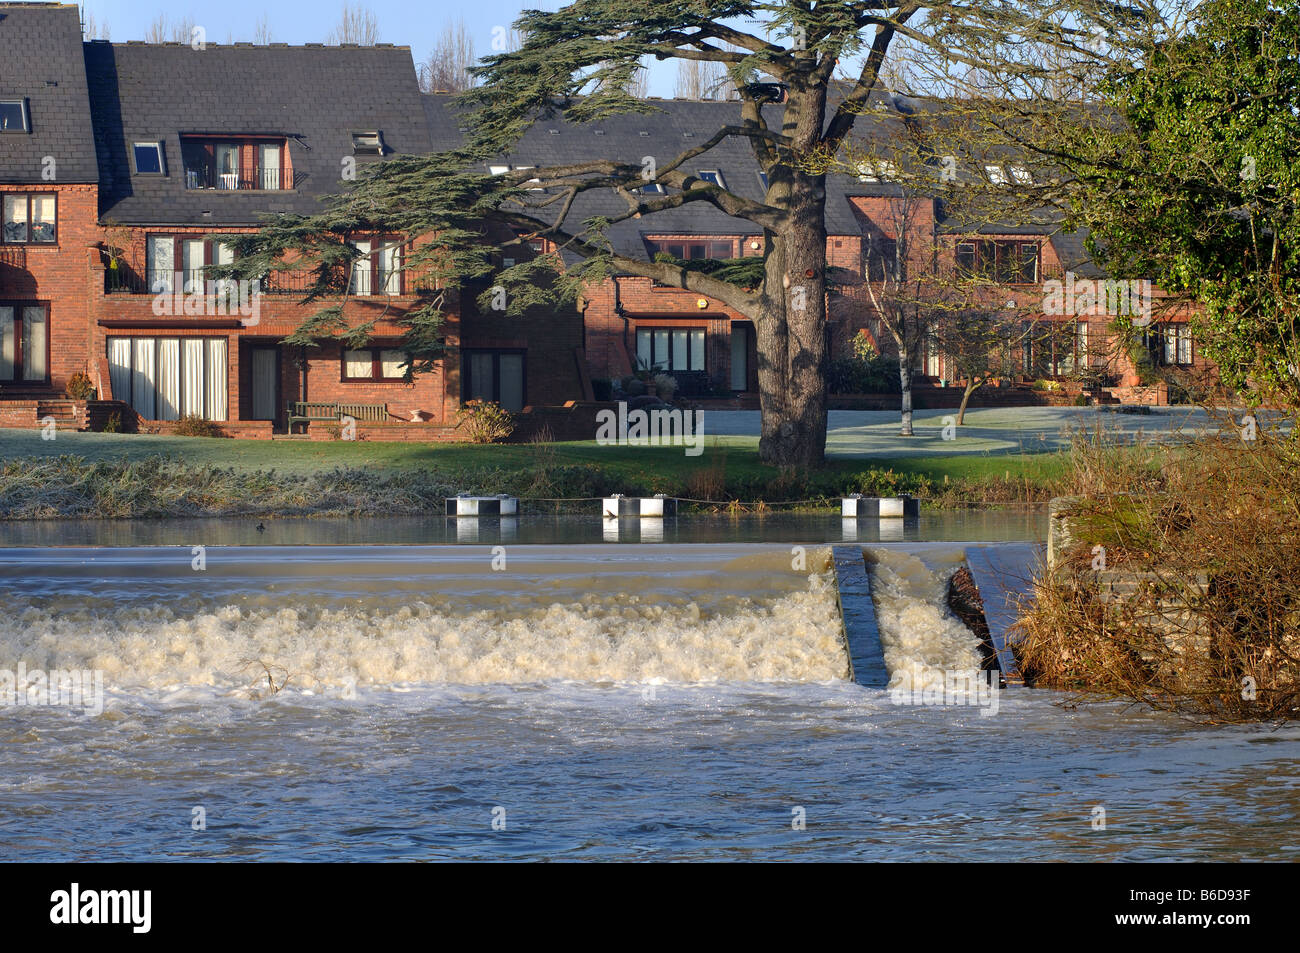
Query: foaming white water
790, 637
920, 638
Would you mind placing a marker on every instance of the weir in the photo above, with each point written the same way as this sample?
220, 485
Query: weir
930, 614
862, 634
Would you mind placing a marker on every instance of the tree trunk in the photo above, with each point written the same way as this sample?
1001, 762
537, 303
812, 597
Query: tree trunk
965, 399
905, 379
791, 326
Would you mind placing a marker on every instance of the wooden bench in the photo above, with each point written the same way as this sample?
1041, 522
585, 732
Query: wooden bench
309, 411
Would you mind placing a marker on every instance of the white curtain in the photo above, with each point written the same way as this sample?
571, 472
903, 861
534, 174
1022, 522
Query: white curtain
216, 382
192, 376
390, 269
390, 363
142, 390
361, 269
35, 329
8, 347
169, 379
161, 262
358, 364
119, 368
192, 255
269, 163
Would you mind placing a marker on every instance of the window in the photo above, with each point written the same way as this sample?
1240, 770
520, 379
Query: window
714, 177
183, 258
369, 143
690, 249
997, 175
1177, 344
374, 364
1009, 262
234, 164
652, 188
1054, 349
1021, 174
29, 219
670, 349
169, 378
498, 169
494, 375
883, 261
379, 269
148, 158
762, 178
877, 170
13, 116
24, 343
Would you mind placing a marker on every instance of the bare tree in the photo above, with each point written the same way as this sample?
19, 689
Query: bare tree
262, 32
447, 68
356, 25
91, 28
157, 32
638, 86
702, 79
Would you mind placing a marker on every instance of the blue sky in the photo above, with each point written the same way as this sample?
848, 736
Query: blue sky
403, 22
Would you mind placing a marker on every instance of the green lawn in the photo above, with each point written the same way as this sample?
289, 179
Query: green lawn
737, 454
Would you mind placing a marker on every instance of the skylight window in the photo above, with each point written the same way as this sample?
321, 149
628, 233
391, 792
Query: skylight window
762, 177
1021, 174
997, 175
712, 176
148, 158
13, 116
877, 170
369, 143
652, 188
498, 169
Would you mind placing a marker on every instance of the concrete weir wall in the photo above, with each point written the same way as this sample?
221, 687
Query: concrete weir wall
866, 659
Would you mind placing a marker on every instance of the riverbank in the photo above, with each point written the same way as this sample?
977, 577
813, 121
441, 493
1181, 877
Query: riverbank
1174, 584
547, 478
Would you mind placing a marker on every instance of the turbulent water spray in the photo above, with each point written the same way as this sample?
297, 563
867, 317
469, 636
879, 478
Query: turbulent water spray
922, 641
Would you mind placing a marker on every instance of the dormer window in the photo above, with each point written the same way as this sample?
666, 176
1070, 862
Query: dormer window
234, 163
370, 143
14, 116
148, 158
713, 177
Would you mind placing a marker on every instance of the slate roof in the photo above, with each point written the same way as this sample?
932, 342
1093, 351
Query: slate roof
664, 135
314, 95
40, 61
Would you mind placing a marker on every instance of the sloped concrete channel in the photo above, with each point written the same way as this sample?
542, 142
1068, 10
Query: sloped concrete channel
982, 593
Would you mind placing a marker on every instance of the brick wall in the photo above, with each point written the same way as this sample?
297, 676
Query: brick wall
56, 275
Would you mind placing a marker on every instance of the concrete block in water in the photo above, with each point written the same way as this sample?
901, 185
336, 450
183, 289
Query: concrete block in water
474, 506
858, 612
858, 506
645, 507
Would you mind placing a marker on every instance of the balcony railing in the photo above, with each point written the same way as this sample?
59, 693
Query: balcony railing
264, 180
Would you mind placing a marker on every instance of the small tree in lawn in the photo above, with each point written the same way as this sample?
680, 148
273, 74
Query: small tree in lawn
981, 346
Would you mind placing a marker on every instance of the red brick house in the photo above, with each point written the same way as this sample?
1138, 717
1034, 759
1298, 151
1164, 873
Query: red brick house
711, 349
122, 164
160, 150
